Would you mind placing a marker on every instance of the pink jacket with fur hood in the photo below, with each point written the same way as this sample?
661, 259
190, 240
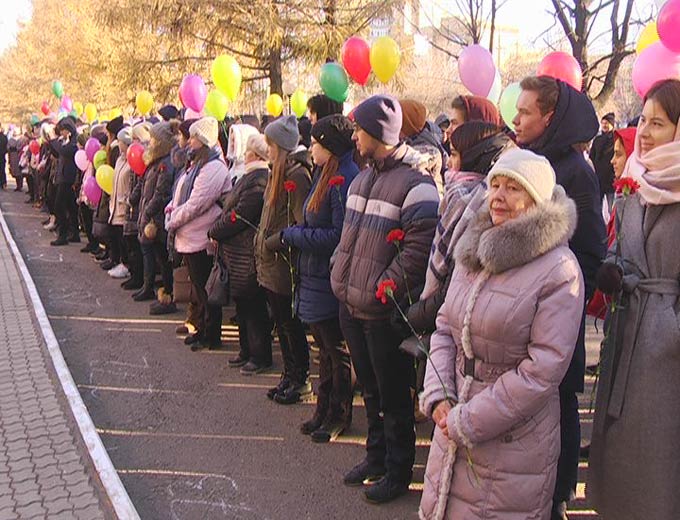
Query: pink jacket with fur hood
513, 310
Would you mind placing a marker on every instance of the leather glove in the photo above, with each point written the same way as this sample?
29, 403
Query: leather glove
609, 279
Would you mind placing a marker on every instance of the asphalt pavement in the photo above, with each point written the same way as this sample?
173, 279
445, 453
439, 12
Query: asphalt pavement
190, 437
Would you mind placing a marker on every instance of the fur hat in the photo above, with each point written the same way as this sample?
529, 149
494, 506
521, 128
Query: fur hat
164, 131
257, 144
206, 131
141, 132
532, 171
414, 117
284, 133
115, 125
334, 133
380, 117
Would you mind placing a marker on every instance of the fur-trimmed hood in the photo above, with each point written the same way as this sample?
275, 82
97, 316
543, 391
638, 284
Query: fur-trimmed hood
499, 248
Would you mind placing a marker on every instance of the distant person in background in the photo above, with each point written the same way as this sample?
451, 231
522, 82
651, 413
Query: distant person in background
472, 108
321, 106
601, 153
443, 122
14, 150
3, 159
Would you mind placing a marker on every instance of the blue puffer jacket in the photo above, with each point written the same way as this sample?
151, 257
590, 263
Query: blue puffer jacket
316, 239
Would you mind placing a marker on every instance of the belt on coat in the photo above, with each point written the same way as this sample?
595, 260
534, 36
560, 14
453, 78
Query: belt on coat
638, 288
485, 372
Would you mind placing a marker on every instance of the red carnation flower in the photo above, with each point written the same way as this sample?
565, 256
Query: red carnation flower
396, 235
337, 181
233, 216
385, 289
289, 186
626, 186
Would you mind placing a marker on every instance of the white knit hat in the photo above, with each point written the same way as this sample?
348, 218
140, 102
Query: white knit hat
532, 171
205, 130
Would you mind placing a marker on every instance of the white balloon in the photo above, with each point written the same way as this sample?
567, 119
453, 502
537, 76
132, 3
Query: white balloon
494, 94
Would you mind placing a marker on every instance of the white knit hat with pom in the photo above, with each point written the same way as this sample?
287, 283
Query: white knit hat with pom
205, 130
532, 171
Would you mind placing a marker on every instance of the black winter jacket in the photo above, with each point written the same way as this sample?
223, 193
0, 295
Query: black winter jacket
236, 237
601, 153
575, 121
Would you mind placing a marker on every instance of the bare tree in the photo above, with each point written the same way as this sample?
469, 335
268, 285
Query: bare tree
577, 19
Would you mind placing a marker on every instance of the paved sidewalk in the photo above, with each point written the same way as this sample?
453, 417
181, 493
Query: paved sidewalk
42, 471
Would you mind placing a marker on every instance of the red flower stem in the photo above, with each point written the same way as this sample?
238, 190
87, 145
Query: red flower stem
290, 263
403, 272
248, 222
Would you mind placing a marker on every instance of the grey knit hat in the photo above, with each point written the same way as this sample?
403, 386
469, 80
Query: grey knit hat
163, 131
284, 132
125, 135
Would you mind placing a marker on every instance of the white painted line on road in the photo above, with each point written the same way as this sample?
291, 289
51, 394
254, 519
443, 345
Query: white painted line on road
175, 435
123, 389
113, 320
170, 473
120, 500
113, 329
243, 385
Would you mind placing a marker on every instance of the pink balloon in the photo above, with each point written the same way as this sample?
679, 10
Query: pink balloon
655, 63
667, 25
193, 92
476, 69
92, 146
81, 160
67, 103
192, 114
563, 66
92, 190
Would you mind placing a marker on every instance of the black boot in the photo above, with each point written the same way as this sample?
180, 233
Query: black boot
146, 292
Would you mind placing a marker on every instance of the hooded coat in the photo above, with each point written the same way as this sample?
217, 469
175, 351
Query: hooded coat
156, 187
316, 239
514, 307
601, 153
67, 171
574, 121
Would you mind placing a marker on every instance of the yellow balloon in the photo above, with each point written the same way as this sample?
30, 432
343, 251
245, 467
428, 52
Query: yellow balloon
144, 102
274, 105
90, 112
298, 103
216, 105
78, 107
648, 36
114, 113
385, 56
104, 178
226, 75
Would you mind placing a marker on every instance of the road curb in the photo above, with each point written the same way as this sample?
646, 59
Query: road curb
116, 492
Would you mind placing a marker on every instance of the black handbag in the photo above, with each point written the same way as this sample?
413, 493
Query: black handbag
217, 286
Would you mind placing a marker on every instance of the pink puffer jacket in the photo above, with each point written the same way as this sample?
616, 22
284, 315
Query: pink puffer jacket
518, 290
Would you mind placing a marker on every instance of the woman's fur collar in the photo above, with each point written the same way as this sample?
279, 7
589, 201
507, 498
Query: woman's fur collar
518, 241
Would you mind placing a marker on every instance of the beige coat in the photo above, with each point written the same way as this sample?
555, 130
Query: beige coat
635, 454
118, 203
513, 309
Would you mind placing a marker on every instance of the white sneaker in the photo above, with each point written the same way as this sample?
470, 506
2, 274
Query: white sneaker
119, 271
52, 224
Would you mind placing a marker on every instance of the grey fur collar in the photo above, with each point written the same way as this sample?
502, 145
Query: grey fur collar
519, 241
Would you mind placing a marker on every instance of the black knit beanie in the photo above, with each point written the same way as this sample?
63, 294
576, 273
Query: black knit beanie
334, 133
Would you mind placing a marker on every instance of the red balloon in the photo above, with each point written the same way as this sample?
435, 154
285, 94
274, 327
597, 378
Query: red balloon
34, 147
356, 59
45, 108
560, 65
135, 158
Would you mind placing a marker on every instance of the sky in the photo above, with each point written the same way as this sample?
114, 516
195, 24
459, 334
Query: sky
530, 16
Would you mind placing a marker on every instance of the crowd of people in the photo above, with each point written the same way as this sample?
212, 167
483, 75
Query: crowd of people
451, 259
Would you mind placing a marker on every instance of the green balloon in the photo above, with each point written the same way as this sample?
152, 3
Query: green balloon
34, 120
334, 82
508, 103
58, 89
99, 159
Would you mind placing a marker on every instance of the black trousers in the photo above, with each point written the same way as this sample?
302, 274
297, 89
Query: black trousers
3, 172
153, 252
292, 338
209, 324
334, 393
254, 327
570, 437
66, 210
134, 255
118, 250
86, 213
386, 374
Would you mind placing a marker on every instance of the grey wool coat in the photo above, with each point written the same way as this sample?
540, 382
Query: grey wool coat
635, 452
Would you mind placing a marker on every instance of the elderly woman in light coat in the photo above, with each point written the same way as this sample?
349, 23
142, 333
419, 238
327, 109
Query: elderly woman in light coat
505, 336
